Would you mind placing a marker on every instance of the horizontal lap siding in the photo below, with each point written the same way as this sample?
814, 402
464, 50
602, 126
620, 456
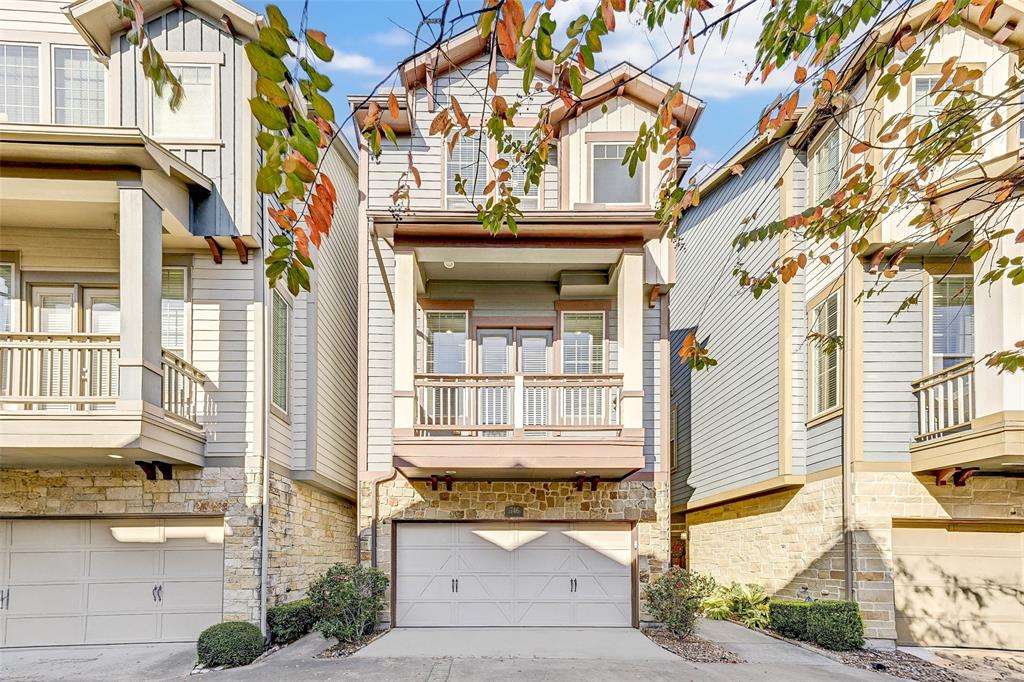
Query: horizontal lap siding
728, 415
797, 388
37, 15
893, 358
380, 360
652, 386
80, 250
825, 445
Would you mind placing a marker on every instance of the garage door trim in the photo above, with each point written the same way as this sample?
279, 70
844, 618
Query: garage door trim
633, 537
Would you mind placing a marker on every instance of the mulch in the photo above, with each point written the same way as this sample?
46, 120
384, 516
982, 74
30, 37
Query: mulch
898, 664
692, 648
344, 649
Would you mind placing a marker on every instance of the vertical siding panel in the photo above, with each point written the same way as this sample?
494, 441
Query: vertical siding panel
175, 32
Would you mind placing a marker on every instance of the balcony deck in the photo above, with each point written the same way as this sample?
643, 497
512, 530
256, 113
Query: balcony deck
60, 404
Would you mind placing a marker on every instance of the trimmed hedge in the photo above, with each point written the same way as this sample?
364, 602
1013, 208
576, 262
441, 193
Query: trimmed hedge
229, 644
287, 622
835, 624
789, 618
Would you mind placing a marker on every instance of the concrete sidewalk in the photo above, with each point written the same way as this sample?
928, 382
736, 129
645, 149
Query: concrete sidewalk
755, 647
151, 662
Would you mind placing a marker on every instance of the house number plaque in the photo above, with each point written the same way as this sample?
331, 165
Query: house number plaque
514, 511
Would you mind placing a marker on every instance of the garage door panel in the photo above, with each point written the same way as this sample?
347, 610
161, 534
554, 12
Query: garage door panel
499, 586
604, 560
540, 536
125, 597
47, 534
484, 559
424, 586
52, 630
50, 598
998, 633
191, 595
543, 586
427, 559
121, 627
426, 535
603, 614
544, 613
41, 566
545, 560
123, 564
484, 613
425, 613
184, 626
487, 536
193, 562
615, 588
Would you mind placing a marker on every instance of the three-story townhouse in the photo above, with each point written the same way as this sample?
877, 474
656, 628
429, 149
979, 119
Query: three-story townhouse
888, 469
513, 434
177, 440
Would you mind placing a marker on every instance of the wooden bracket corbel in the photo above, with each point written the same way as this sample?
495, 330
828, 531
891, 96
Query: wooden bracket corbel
594, 480
944, 476
433, 482
579, 483
165, 470
448, 483
961, 476
215, 250
242, 249
148, 469
655, 290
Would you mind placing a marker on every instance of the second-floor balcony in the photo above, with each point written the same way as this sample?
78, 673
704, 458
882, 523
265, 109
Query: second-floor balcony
61, 393
945, 401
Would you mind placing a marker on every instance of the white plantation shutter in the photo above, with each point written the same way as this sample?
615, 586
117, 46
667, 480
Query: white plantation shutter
528, 200
825, 355
495, 403
104, 317
952, 321
583, 343
468, 160
535, 358
172, 310
826, 167
6, 296
54, 314
280, 340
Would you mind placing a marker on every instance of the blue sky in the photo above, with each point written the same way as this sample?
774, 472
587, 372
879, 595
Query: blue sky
371, 36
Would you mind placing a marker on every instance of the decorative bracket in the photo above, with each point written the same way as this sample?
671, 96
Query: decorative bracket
961, 476
433, 482
215, 250
166, 472
241, 248
147, 468
594, 480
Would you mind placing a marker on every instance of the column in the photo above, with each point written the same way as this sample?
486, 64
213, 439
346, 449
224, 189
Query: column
141, 256
405, 343
630, 339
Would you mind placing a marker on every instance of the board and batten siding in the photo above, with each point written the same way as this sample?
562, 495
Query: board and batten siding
729, 413
893, 358
40, 16
223, 161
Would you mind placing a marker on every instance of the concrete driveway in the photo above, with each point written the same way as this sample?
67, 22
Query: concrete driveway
542, 655
152, 662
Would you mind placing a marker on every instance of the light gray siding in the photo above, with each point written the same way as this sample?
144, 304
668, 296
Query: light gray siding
893, 358
652, 386
730, 412
380, 356
797, 388
36, 15
825, 445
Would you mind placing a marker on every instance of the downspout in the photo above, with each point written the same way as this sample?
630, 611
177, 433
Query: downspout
844, 444
264, 438
375, 513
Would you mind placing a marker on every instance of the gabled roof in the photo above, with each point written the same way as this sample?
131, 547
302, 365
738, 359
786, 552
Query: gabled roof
1006, 27
97, 20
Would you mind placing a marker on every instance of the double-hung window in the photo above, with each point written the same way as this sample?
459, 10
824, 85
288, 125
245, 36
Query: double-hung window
611, 182
467, 161
825, 358
952, 321
196, 118
445, 347
78, 87
173, 328
280, 342
19, 83
583, 342
825, 167
6, 297
528, 200
924, 101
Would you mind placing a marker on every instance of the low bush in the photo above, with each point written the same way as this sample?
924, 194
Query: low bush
835, 624
674, 599
346, 601
229, 644
747, 603
287, 622
789, 618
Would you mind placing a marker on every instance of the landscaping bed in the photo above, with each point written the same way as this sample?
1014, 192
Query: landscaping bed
898, 664
692, 648
345, 649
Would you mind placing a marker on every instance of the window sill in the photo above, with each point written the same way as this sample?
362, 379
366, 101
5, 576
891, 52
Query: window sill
194, 144
827, 415
280, 414
611, 207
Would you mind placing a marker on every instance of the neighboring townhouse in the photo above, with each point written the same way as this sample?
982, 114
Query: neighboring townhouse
177, 441
513, 429
889, 470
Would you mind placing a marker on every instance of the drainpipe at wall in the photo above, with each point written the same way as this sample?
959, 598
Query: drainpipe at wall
374, 513
844, 445
265, 450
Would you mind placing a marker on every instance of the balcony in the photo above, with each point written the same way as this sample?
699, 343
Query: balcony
524, 426
60, 399
945, 401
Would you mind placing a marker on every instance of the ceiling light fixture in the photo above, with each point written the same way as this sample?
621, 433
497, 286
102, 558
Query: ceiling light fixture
450, 471
581, 472
115, 456
449, 265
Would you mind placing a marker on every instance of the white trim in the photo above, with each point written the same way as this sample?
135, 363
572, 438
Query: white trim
604, 340
14, 302
814, 346
53, 83
469, 350
283, 409
187, 309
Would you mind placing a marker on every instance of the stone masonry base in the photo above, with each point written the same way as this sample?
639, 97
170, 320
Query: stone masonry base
791, 541
644, 502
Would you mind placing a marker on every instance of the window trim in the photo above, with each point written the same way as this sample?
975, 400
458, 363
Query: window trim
52, 90
812, 152
492, 155
211, 60
43, 78
612, 139
814, 416
932, 275
14, 323
469, 350
275, 409
560, 336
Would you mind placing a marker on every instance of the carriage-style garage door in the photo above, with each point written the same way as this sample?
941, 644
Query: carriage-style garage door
513, 574
959, 584
100, 581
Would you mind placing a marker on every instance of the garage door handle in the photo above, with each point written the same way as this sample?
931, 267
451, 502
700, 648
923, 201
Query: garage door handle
153, 592
160, 593
453, 584
456, 584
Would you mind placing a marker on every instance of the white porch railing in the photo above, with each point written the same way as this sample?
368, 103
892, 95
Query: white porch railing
79, 373
500, 405
945, 401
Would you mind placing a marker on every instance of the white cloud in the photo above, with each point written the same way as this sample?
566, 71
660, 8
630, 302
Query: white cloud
395, 37
717, 73
353, 62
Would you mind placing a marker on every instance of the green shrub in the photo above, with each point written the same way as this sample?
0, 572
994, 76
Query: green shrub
346, 601
287, 622
835, 624
789, 618
747, 603
229, 644
674, 599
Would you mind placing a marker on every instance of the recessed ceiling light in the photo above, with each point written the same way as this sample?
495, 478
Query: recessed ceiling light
449, 265
115, 456
451, 471
581, 472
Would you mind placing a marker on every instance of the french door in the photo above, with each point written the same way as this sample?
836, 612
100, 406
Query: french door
506, 352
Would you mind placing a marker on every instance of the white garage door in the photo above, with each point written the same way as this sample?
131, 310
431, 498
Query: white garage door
959, 585
99, 581
513, 574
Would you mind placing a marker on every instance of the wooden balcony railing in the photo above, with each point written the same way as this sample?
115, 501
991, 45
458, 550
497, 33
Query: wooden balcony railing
945, 401
79, 373
504, 405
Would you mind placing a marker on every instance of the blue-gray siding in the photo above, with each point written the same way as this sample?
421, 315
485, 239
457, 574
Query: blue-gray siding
729, 414
825, 445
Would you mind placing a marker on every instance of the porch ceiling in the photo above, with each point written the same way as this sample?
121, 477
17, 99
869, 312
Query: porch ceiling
521, 264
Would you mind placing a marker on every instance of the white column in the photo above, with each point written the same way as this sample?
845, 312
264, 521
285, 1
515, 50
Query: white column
630, 338
405, 342
998, 325
140, 276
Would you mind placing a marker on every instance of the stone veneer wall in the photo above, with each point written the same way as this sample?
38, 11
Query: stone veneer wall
310, 530
645, 502
231, 491
791, 541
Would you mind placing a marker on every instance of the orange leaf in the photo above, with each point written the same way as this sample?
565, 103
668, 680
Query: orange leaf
829, 81
665, 164
327, 184
506, 43
459, 114
860, 148
686, 145
393, 106
946, 11
608, 14
416, 175
736, 169
492, 81
284, 217
809, 22
801, 74
301, 242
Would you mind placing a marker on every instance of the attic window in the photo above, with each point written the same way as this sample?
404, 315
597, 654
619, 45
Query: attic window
196, 119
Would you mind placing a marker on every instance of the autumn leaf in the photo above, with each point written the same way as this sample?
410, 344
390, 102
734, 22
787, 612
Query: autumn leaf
302, 241
736, 169
810, 21
317, 41
860, 148
506, 44
801, 74
393, 106
686, 145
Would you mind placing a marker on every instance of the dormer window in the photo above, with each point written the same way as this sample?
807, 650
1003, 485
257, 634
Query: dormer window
196, 119
468, 161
